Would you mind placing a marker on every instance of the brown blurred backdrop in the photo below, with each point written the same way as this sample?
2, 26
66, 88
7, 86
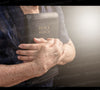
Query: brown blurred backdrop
83, 26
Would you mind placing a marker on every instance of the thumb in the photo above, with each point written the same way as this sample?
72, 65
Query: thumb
40, 40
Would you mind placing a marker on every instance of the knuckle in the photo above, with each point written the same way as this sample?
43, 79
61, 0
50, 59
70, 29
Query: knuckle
57, 40
58, 51
43, 46
28, 57
26, 53
45, 68
32, 53
38, 47
19, 51
21, 58
41, 38
57, 47
32, 46
48, 38
46, 46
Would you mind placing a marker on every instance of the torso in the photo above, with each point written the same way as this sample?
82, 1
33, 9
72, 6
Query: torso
16, 18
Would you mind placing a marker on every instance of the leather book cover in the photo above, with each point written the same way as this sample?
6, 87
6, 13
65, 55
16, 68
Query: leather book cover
42, 25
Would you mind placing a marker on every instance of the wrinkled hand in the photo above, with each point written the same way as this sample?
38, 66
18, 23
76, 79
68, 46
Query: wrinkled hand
46, 53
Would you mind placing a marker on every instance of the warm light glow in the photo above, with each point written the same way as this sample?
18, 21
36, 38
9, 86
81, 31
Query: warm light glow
88, 20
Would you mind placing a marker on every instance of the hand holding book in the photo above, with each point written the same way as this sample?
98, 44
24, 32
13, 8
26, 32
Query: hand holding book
45, 53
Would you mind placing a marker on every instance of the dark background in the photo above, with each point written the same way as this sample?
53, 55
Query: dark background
83, 26
49, 2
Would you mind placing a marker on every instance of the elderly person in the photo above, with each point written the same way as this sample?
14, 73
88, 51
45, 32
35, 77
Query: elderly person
30, 65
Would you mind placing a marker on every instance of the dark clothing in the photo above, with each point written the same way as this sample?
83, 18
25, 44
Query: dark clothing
48, 83
11, 35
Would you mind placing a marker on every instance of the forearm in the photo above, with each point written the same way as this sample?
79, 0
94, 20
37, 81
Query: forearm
14, 74
68, 54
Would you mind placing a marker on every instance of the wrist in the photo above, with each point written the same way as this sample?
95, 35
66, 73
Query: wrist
39, 69
35, 68
68, 55
61, 59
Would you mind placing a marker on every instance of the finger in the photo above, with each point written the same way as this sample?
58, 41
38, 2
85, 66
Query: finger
40, 40
26, 52
25, 58
27, 61
54, 41
29, 46
58, 43
51, 41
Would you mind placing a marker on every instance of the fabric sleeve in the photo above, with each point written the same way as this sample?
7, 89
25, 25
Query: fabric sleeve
63, 34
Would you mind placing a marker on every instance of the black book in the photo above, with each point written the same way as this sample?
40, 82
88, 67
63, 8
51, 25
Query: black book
42, 25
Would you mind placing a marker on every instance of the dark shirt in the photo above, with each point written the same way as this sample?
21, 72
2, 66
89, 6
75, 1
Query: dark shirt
11, 32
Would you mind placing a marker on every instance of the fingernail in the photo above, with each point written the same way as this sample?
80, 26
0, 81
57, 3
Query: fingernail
17, 52
18, 57
37, 39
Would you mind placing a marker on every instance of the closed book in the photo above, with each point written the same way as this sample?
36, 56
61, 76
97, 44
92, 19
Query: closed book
42, 25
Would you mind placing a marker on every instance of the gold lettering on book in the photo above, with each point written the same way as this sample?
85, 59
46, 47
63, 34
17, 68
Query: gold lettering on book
44, 29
